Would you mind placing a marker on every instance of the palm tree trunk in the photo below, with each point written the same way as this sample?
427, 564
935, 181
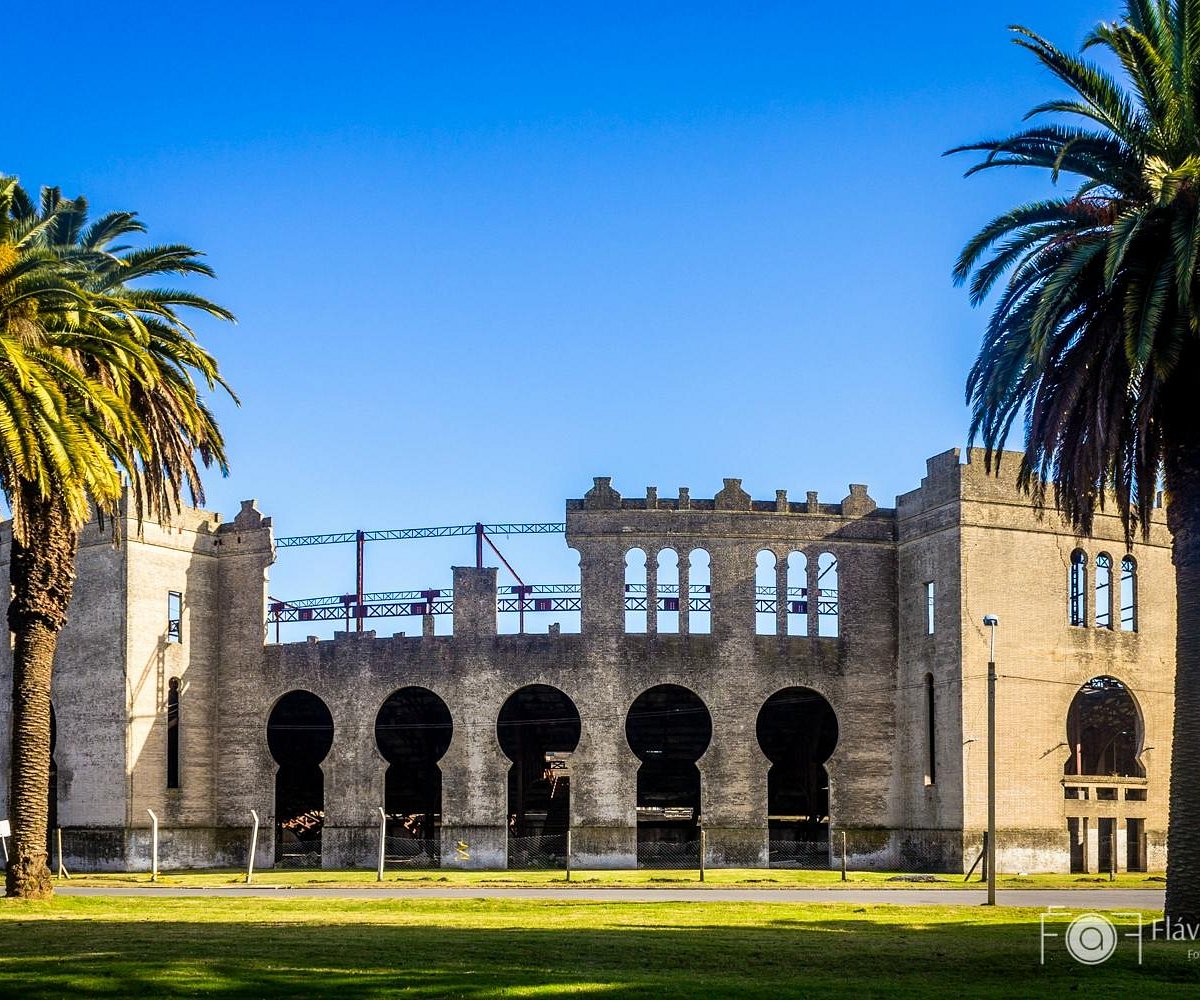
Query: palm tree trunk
42, 574
1182, 479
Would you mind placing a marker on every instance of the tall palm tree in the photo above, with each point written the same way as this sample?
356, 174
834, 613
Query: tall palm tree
132, 342
1094, 340
58, 426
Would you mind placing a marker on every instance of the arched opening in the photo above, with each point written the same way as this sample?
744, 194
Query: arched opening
797, 594
1077, 600
1104, 731
538, 728
930, 731
828, 598
299, 736
668, 592
1104, 590
668, 727
635, 591
173, 733
413, 731
797, 730
1105, 735
765, 596
1129, 617
699, 593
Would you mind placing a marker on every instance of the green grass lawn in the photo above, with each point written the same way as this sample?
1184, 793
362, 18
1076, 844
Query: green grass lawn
145, 946
721, 878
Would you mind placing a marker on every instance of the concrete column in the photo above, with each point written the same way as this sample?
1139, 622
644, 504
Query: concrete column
604, 786
781, 595
474, 602
475, 778
685, 593
602, 579
651, 592
733, 782
813, 558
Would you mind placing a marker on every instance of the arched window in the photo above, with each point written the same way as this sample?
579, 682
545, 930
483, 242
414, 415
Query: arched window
1129, 595
700, 591
1104, 731
797, 594
828, 601
930, 731
1104, 591
1078, 588
173, 733
635, 591
765, 597
668, 591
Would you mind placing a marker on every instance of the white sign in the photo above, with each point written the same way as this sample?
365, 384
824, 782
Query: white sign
5, 830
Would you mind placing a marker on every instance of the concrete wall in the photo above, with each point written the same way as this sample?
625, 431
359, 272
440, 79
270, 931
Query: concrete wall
974, 536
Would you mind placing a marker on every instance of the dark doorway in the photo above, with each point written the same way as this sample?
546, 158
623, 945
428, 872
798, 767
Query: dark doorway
538, 725
299, 736
413, 731
1104, 731
669, 728
797, 731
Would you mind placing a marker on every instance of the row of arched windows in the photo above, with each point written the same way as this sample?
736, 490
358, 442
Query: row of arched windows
1111, 602
782, 588
677, 593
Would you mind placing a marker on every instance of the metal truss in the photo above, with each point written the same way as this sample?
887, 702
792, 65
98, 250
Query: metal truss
546, 597
404, 534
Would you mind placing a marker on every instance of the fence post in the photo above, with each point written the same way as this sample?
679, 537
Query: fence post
703, 851
568, 855
62, 870
983, 871
843, 855
253, 848
382, 843
153, 846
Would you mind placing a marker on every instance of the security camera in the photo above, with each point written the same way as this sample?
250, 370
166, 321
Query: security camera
991, 620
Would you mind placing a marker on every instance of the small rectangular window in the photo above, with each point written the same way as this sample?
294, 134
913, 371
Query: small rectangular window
930, 600
174, 617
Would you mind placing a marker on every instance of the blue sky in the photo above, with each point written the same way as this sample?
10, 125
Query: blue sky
480, 253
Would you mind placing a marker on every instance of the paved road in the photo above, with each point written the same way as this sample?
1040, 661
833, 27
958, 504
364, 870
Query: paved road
1098, 899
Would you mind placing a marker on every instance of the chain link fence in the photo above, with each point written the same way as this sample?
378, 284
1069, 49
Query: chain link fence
547, 852
317, 848
402, 852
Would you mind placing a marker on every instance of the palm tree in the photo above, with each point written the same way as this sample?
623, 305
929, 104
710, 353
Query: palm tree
58, 426
132, 342
1095, 336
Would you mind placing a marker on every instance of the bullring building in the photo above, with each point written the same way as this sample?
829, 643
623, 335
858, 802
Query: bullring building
782, 674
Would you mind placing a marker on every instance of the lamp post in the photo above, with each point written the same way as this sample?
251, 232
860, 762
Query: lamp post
991, 621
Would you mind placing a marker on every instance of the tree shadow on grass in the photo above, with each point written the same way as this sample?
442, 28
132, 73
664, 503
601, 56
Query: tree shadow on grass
813, 958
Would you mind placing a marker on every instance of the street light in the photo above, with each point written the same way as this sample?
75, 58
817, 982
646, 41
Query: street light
991, 621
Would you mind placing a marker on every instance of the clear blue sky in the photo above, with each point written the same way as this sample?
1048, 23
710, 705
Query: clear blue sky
481, 252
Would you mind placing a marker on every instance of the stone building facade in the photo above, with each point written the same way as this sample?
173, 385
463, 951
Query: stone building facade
779, 673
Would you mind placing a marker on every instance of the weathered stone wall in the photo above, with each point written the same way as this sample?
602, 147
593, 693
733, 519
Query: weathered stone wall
974, 536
